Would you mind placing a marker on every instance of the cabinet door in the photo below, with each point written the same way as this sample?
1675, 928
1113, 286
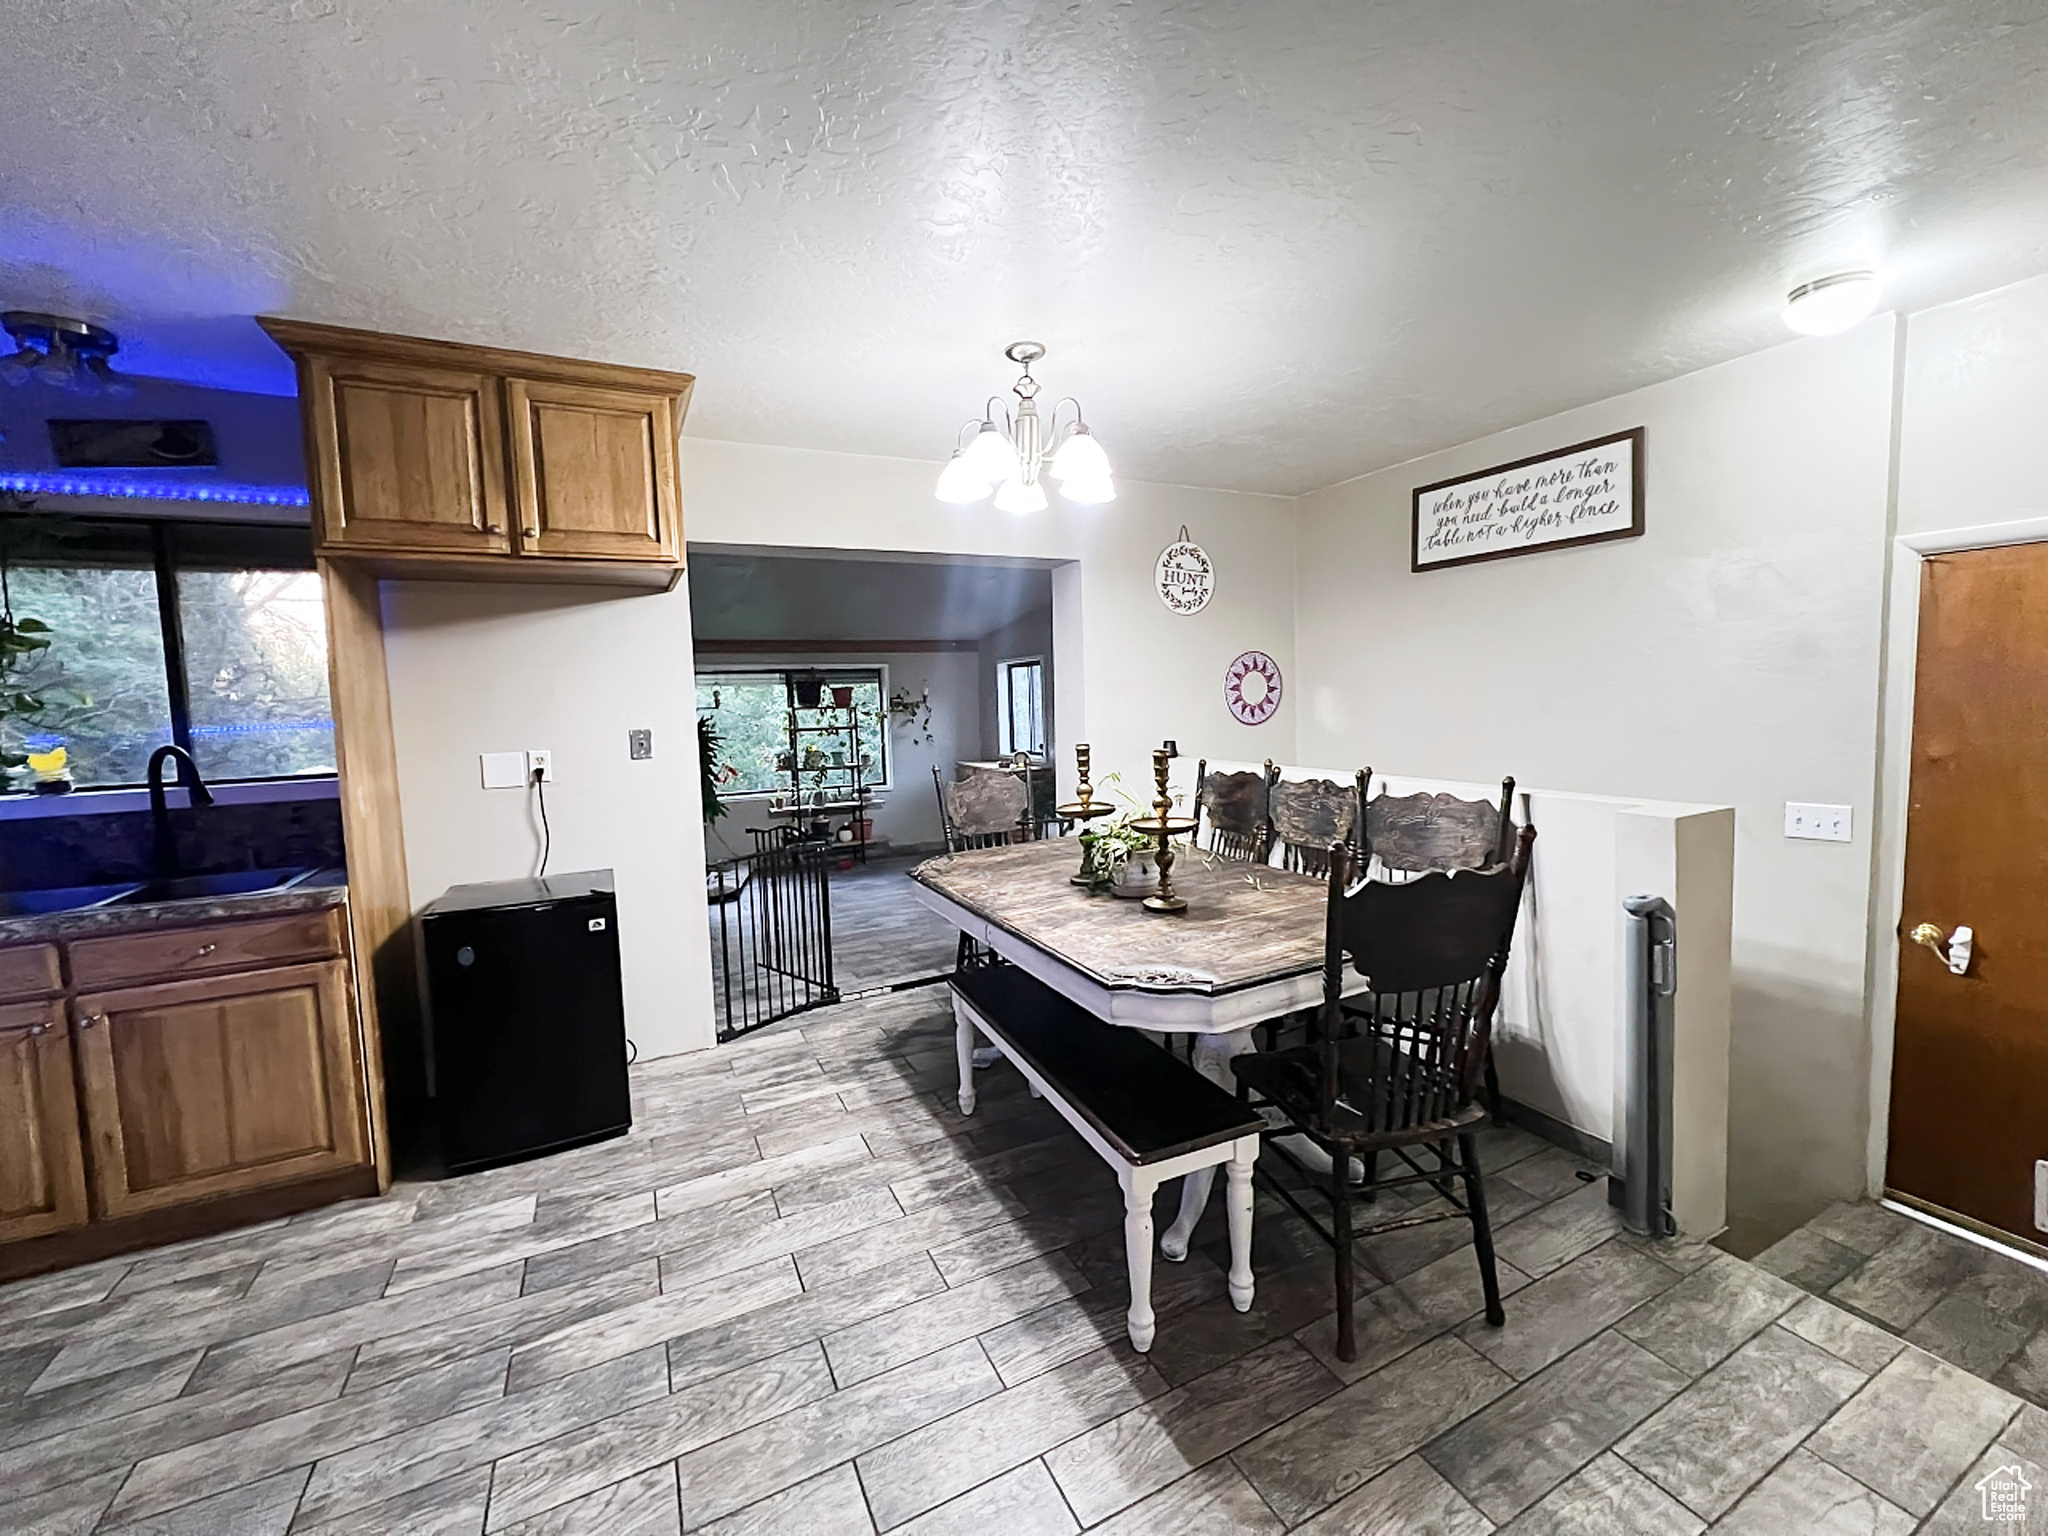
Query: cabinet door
406, 457
218, 1085
42, 1177
594, 471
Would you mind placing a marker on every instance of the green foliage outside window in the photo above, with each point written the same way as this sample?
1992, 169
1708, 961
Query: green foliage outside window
752, 712
248, 610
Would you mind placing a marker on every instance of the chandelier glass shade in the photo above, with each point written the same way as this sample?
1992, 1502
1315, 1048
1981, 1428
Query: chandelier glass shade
1012, 453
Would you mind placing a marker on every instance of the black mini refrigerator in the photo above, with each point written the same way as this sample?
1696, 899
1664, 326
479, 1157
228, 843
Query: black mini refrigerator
526, 1021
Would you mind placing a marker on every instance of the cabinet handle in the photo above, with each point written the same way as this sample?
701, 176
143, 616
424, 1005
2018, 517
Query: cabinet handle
531, 533
494, 527
203, 951
88, 1021
29, 1031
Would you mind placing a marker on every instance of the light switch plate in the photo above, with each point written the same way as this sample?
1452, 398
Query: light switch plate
503, 770
1821, 823
639, 745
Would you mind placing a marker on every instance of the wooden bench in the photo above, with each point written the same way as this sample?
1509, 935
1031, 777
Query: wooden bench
1149, 1115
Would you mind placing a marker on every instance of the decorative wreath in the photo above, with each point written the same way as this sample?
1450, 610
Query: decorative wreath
1251, 687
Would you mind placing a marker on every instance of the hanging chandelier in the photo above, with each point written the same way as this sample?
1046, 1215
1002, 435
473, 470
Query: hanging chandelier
1008, 452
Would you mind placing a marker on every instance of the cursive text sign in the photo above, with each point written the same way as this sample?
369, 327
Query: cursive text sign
1584, 494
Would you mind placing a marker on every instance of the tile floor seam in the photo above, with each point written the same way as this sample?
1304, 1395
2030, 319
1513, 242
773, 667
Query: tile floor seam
853, 1462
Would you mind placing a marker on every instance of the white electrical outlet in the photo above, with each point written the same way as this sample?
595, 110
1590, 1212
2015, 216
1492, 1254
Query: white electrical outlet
540, 761
503, 770
1822, 823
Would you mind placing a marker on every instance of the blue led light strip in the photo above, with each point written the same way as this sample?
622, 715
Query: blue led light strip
154, 490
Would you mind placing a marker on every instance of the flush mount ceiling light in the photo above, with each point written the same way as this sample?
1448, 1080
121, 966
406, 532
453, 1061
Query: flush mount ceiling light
1830, 304
61, 353
1007, 452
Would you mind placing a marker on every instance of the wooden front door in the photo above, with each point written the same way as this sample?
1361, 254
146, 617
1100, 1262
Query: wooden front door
594, 471
1969, 1112
218, 1085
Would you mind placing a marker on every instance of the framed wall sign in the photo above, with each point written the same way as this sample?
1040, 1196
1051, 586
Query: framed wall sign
1251, 688
1585, 494
1185, 578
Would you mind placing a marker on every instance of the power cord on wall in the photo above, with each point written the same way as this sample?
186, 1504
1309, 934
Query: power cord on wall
546, 836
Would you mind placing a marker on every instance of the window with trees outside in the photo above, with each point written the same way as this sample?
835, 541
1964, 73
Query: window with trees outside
209, 636
1020, 706
772, 740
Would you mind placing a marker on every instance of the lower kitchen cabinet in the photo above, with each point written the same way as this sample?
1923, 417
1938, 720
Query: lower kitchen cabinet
42, 1177
215, 1086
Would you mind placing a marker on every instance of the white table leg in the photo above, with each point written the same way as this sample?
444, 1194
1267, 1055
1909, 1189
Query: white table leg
1212, 1060
1138, 1192
963, 1047
1239, 1173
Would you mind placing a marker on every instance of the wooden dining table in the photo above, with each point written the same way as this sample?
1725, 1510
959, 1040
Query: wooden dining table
1248, 949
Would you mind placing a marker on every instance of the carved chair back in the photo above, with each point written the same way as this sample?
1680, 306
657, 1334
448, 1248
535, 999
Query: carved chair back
1232, 811
1310, 814
1432, 949
983, 810
1410, 835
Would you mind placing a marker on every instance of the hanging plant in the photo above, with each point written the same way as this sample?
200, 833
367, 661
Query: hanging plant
710, 772
914, 712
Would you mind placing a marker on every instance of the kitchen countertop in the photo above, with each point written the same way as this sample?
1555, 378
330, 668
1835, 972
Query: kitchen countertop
326, 888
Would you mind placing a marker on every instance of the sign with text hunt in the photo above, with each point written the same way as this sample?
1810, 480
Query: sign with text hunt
1584, 494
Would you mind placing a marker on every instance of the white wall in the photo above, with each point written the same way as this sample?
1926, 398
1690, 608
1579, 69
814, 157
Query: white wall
1729, 655
1972, 448
492, 668
907, 814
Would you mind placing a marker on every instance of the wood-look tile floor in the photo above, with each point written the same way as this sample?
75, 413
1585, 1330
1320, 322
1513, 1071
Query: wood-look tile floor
1973, 1307
805, 1295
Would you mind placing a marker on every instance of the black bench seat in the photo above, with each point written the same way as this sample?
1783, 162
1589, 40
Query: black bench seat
1149, 1115
1147, 1103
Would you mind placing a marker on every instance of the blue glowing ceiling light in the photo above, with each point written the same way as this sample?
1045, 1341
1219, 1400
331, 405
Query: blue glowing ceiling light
131, 488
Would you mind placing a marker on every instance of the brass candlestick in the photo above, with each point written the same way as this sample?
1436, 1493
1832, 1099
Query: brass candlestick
1084, 809
1168, 827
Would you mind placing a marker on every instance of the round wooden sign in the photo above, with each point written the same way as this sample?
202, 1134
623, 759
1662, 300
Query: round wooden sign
1184, 576
1251, 687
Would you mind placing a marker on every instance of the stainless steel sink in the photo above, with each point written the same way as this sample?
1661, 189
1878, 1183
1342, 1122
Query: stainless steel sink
239, 882
69, 898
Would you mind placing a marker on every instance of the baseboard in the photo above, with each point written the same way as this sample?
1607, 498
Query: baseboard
1575, 1141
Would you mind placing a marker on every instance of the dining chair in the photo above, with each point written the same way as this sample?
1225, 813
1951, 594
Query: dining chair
1236, 806
982, 810
1396, 1068
1310, 813
1409, 835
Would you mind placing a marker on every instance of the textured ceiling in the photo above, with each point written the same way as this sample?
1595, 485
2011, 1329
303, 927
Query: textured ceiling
1271, 243
779, 597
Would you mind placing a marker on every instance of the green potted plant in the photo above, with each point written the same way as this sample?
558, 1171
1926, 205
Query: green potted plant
914, 712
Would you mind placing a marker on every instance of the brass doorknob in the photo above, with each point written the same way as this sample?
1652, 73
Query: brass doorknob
1955, 949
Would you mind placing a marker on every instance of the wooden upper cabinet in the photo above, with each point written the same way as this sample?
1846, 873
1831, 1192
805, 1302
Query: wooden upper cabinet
407, 457
432, 459
594, 470
219, 1085
42, 1178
